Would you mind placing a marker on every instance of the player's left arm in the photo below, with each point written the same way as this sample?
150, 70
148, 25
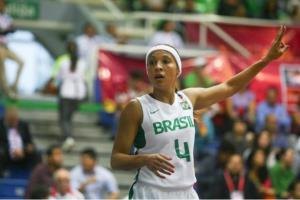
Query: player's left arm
203, 97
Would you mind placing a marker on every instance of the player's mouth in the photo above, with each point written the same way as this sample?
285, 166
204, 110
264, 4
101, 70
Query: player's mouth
159, 77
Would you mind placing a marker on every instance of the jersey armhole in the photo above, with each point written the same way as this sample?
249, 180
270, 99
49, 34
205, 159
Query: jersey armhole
186, 97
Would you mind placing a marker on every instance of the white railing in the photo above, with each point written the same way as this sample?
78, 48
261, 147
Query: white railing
206, 21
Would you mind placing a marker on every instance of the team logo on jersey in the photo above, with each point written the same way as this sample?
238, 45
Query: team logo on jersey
185, 105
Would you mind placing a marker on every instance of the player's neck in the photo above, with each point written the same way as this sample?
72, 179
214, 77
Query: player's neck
164, 96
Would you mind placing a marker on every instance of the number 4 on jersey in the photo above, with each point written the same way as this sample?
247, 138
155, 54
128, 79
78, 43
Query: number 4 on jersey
186, 153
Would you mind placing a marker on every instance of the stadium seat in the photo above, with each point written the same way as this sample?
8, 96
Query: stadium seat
12, 188
17, 173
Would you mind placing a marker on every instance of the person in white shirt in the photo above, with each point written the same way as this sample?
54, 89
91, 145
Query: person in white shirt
72, 91
94, 181
87, 48
167, 35
62, 188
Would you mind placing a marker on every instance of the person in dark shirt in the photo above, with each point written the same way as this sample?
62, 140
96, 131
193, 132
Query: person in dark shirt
233, 183
17, 150
42, 175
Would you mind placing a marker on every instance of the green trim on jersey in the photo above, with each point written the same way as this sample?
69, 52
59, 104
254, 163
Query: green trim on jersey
140, 140
131, 188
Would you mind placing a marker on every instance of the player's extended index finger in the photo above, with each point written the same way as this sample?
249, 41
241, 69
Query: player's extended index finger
280, 34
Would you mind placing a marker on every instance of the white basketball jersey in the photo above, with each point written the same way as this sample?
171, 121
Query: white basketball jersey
169, 130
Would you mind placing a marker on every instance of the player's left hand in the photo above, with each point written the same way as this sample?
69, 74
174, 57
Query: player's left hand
278, 47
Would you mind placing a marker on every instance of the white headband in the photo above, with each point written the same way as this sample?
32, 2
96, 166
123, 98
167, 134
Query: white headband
169, 49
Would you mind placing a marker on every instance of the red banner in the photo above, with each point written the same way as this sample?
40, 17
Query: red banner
114, 70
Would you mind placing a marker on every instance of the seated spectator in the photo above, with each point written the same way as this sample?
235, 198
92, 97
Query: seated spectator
233, 183
166, 35
281, 174
234, 8
42, 175
271, 9
40, 192
93, 180
294, 10
255, 8
172, 6
62, 188
295, 127
294, 189
258, 174
242, 106
208, 167
238, 136
271, 106
17, 149
279, 139
262, 141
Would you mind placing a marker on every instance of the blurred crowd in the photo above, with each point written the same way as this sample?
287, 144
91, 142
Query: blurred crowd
264, 9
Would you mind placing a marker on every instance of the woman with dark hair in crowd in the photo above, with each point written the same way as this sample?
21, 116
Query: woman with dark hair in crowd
258, 174
261, 141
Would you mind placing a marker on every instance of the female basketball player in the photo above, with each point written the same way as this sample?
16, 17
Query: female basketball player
160, 124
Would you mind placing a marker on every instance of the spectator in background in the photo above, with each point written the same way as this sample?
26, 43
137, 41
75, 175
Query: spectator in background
72, 91
62, 188
172, 6
271, 9
238, 136
282, 174
255, 8
166, 35
17, 149
204, 132
136, 86
279, 139
42, 175
113, 35
233, 182
294, 189
93, 180
261, 141
233, 8
87, 44
258, 174
156, 5
88, 41
271, 106
6, 27
209, 166
197, 77
294, 10
242, 106
295, 127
